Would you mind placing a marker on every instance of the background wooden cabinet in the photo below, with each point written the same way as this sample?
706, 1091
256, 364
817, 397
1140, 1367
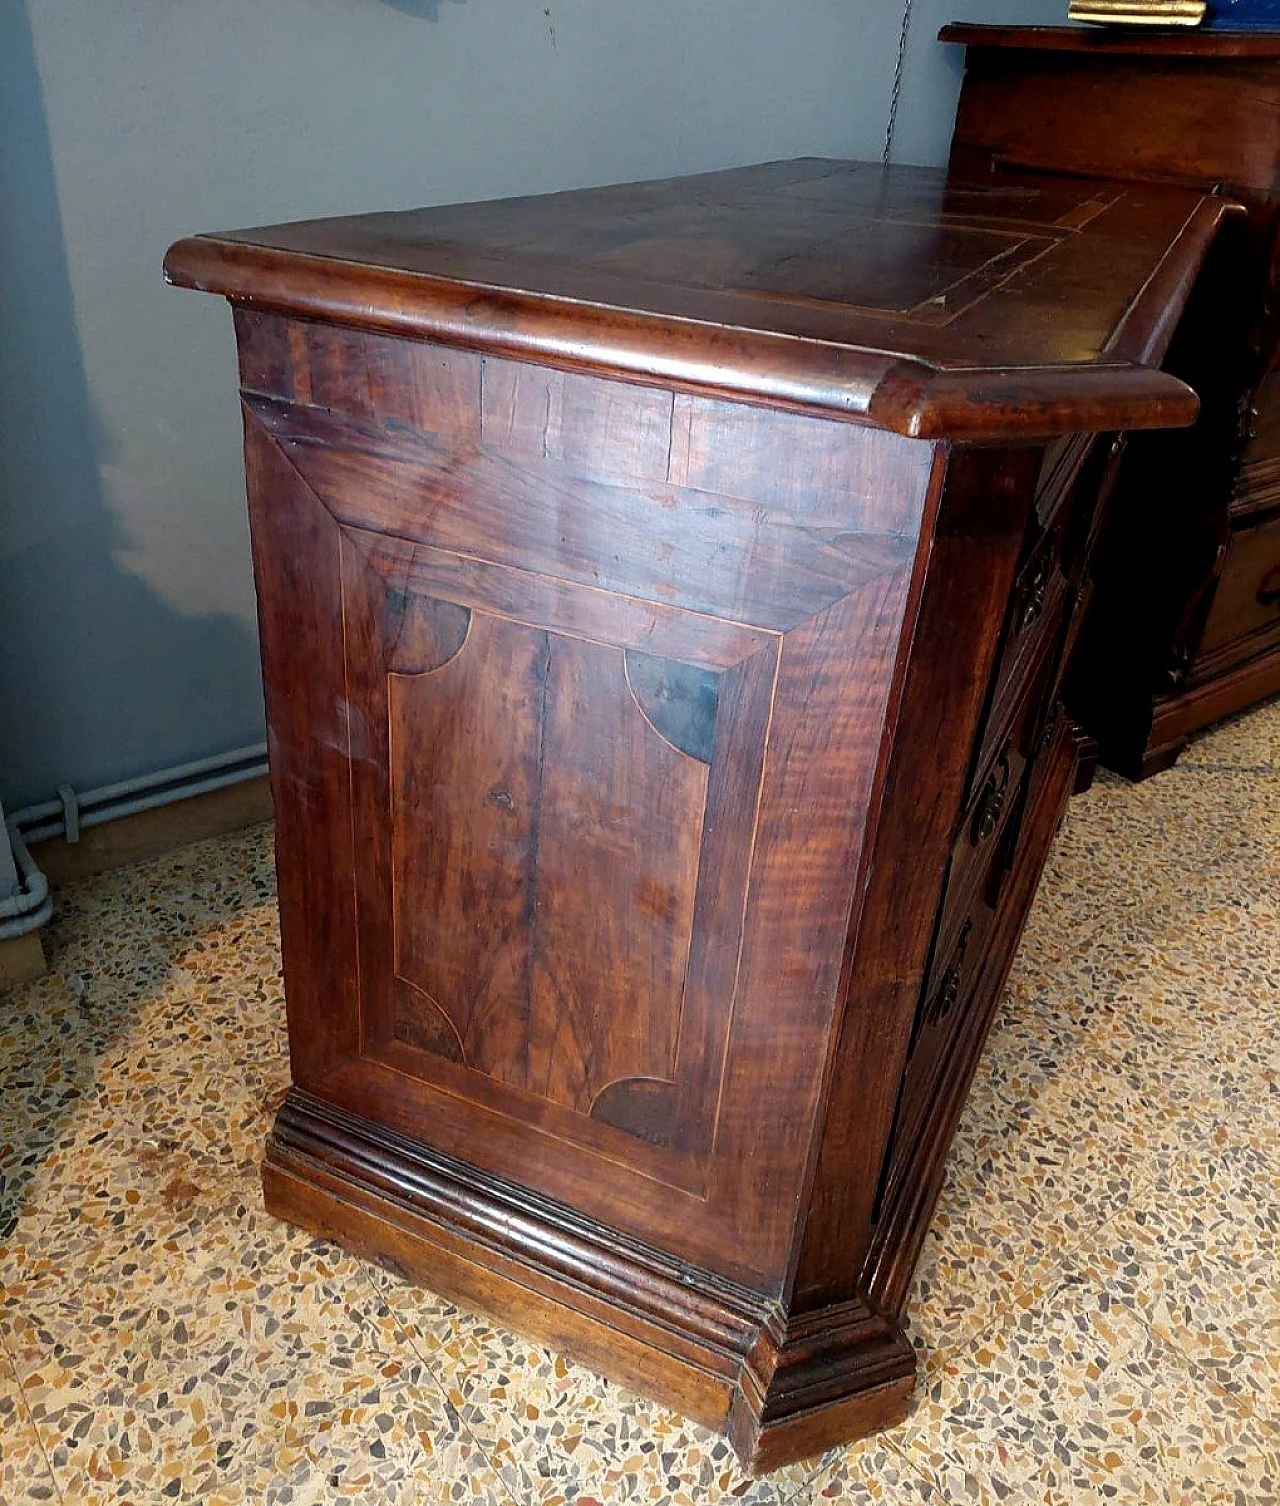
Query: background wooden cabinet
1185, 625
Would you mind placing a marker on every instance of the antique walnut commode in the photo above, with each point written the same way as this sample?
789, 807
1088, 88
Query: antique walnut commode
664, 594
1185, 624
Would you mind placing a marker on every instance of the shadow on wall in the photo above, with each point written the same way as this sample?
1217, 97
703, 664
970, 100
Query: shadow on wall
92, 662
423, 10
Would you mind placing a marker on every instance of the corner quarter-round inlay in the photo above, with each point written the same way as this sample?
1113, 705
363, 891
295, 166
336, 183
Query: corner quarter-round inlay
679, 700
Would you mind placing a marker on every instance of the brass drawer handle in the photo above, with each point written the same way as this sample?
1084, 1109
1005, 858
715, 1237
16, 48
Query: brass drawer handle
1035, 597
952, 979
1037, 588
950, 993
995, 791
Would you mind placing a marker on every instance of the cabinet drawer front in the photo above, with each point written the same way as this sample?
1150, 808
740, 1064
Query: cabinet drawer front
1072, 501
966, 975
1063, 462
988, 825
1031, 634
981, 861
945, 1005
1257, 486
1247, 600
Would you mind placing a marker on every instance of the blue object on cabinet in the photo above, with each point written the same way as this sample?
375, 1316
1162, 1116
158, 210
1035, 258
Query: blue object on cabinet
1243, 15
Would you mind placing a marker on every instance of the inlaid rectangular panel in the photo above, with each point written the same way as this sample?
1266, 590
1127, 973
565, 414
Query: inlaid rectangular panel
523, 774
567, 831
837, 243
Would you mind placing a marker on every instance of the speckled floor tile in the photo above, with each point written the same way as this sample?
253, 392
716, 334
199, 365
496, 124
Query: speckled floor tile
159, 1122
171, 1340
1128, 849
1074, 1398
1189, 1011
25, 1475
1052, 1144
560, 1433
874, 1472
1198, 1258
1250, 742
238, 1357
1095, 1306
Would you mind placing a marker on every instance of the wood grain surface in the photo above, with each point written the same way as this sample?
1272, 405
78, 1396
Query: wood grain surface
940, 308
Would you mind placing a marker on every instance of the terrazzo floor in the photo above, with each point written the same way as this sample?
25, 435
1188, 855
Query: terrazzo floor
1096, 1309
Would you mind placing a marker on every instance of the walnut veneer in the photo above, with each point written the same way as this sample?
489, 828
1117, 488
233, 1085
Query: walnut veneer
664, 592
1185, 625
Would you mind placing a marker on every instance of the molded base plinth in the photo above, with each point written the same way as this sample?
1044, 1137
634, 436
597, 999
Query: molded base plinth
717, 1352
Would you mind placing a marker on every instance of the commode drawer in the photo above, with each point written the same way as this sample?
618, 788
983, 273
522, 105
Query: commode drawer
984, 829
1247, 599
945, 1005
1031, 634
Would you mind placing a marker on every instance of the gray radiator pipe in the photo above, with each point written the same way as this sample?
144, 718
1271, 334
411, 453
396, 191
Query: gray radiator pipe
30, 907
128, 797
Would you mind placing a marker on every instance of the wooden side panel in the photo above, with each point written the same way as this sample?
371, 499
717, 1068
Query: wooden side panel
732, 559
815, 474
589, 426
422, 387
622, 821
520, 768
606, 744
465, 749
807, 876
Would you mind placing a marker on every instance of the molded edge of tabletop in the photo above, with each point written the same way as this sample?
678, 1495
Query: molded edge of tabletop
1184, 41
1120, 390
1029, 402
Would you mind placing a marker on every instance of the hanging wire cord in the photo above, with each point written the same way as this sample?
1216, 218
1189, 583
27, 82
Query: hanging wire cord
897, 82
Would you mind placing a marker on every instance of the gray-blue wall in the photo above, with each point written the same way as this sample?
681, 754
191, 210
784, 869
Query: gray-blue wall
127, 638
